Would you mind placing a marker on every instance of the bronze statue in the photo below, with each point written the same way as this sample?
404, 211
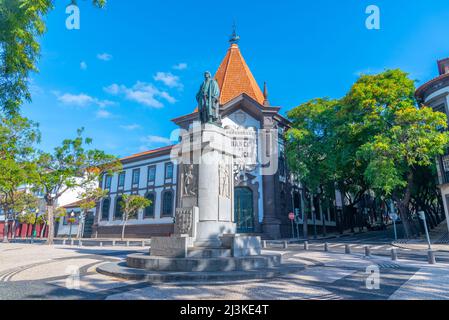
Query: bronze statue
207, 98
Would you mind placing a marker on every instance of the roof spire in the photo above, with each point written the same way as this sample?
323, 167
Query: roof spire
234, 38
265, 95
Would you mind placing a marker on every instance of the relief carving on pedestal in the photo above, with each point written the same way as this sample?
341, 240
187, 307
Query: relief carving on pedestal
189, 181
224, 175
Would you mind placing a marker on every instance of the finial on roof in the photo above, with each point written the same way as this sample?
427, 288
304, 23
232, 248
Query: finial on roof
265, 95
234, 38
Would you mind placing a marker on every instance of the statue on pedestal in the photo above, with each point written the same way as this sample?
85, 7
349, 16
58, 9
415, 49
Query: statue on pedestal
207, 98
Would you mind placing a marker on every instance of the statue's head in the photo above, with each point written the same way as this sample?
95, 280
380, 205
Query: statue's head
207, 75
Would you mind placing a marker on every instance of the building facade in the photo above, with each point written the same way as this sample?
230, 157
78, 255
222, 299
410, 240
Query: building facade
262, 201
435, 94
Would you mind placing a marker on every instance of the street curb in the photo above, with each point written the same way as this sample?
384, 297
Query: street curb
404, 246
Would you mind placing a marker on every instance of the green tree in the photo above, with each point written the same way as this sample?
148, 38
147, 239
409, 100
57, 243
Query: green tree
310, 149
70, 166
17, 138
130, 206
21, 24
412, 138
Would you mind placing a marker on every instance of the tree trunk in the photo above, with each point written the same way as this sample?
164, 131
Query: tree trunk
304, 218
13, 228
5, 228
323, 220
51, 224
313, 213
43, 230
123, 228
403, 207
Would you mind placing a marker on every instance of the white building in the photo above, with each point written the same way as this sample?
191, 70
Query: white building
262, 202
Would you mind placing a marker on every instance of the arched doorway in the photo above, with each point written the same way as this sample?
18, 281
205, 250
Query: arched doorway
243, 209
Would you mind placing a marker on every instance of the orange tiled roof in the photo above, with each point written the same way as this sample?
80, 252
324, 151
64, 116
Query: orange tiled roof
234, 78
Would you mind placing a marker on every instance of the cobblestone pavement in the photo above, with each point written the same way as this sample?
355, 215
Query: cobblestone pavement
51, 272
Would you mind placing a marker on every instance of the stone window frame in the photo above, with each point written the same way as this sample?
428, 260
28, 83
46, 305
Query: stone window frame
107, 182
169, 164
153, 181
133, 176
163, 193
102, 209
116, 205
154, 201
121, 187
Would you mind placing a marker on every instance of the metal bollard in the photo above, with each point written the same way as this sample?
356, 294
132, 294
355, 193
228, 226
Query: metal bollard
431, 257
127, 243
101, 243
113, 243
347, 249
367, 251
63, 242
306, 245
285, 245
80, 243
71, 242
264, 244
394, 254
143, 243
326, 246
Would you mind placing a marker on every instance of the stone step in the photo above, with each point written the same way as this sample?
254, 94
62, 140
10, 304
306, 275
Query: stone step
223, 264
208, 252
120, 270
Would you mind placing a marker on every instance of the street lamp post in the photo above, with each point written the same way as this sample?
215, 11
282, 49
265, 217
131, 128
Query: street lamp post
423, 218
72, 214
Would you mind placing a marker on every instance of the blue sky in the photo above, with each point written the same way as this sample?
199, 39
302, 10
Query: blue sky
137, 64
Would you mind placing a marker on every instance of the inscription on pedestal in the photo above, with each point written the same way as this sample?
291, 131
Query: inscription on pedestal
169, 247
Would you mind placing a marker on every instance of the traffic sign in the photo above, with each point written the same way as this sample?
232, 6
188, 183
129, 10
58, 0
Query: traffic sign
291, 216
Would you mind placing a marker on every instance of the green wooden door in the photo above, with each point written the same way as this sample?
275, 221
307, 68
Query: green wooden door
243, 210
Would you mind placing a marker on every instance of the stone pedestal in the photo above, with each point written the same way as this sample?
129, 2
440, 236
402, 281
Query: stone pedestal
206, 175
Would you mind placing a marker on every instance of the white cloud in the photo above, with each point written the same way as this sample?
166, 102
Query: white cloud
104, 114
104, 56
112, 89
168, 79
151, 140
130, 127
83, 65
180, 66
81, 100
143, 93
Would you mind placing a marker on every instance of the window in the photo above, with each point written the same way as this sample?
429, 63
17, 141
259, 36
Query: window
136, 176
121, 179
118, 214
151, 174
167, 203
149, 211
105, 209
107, 182
169, 170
